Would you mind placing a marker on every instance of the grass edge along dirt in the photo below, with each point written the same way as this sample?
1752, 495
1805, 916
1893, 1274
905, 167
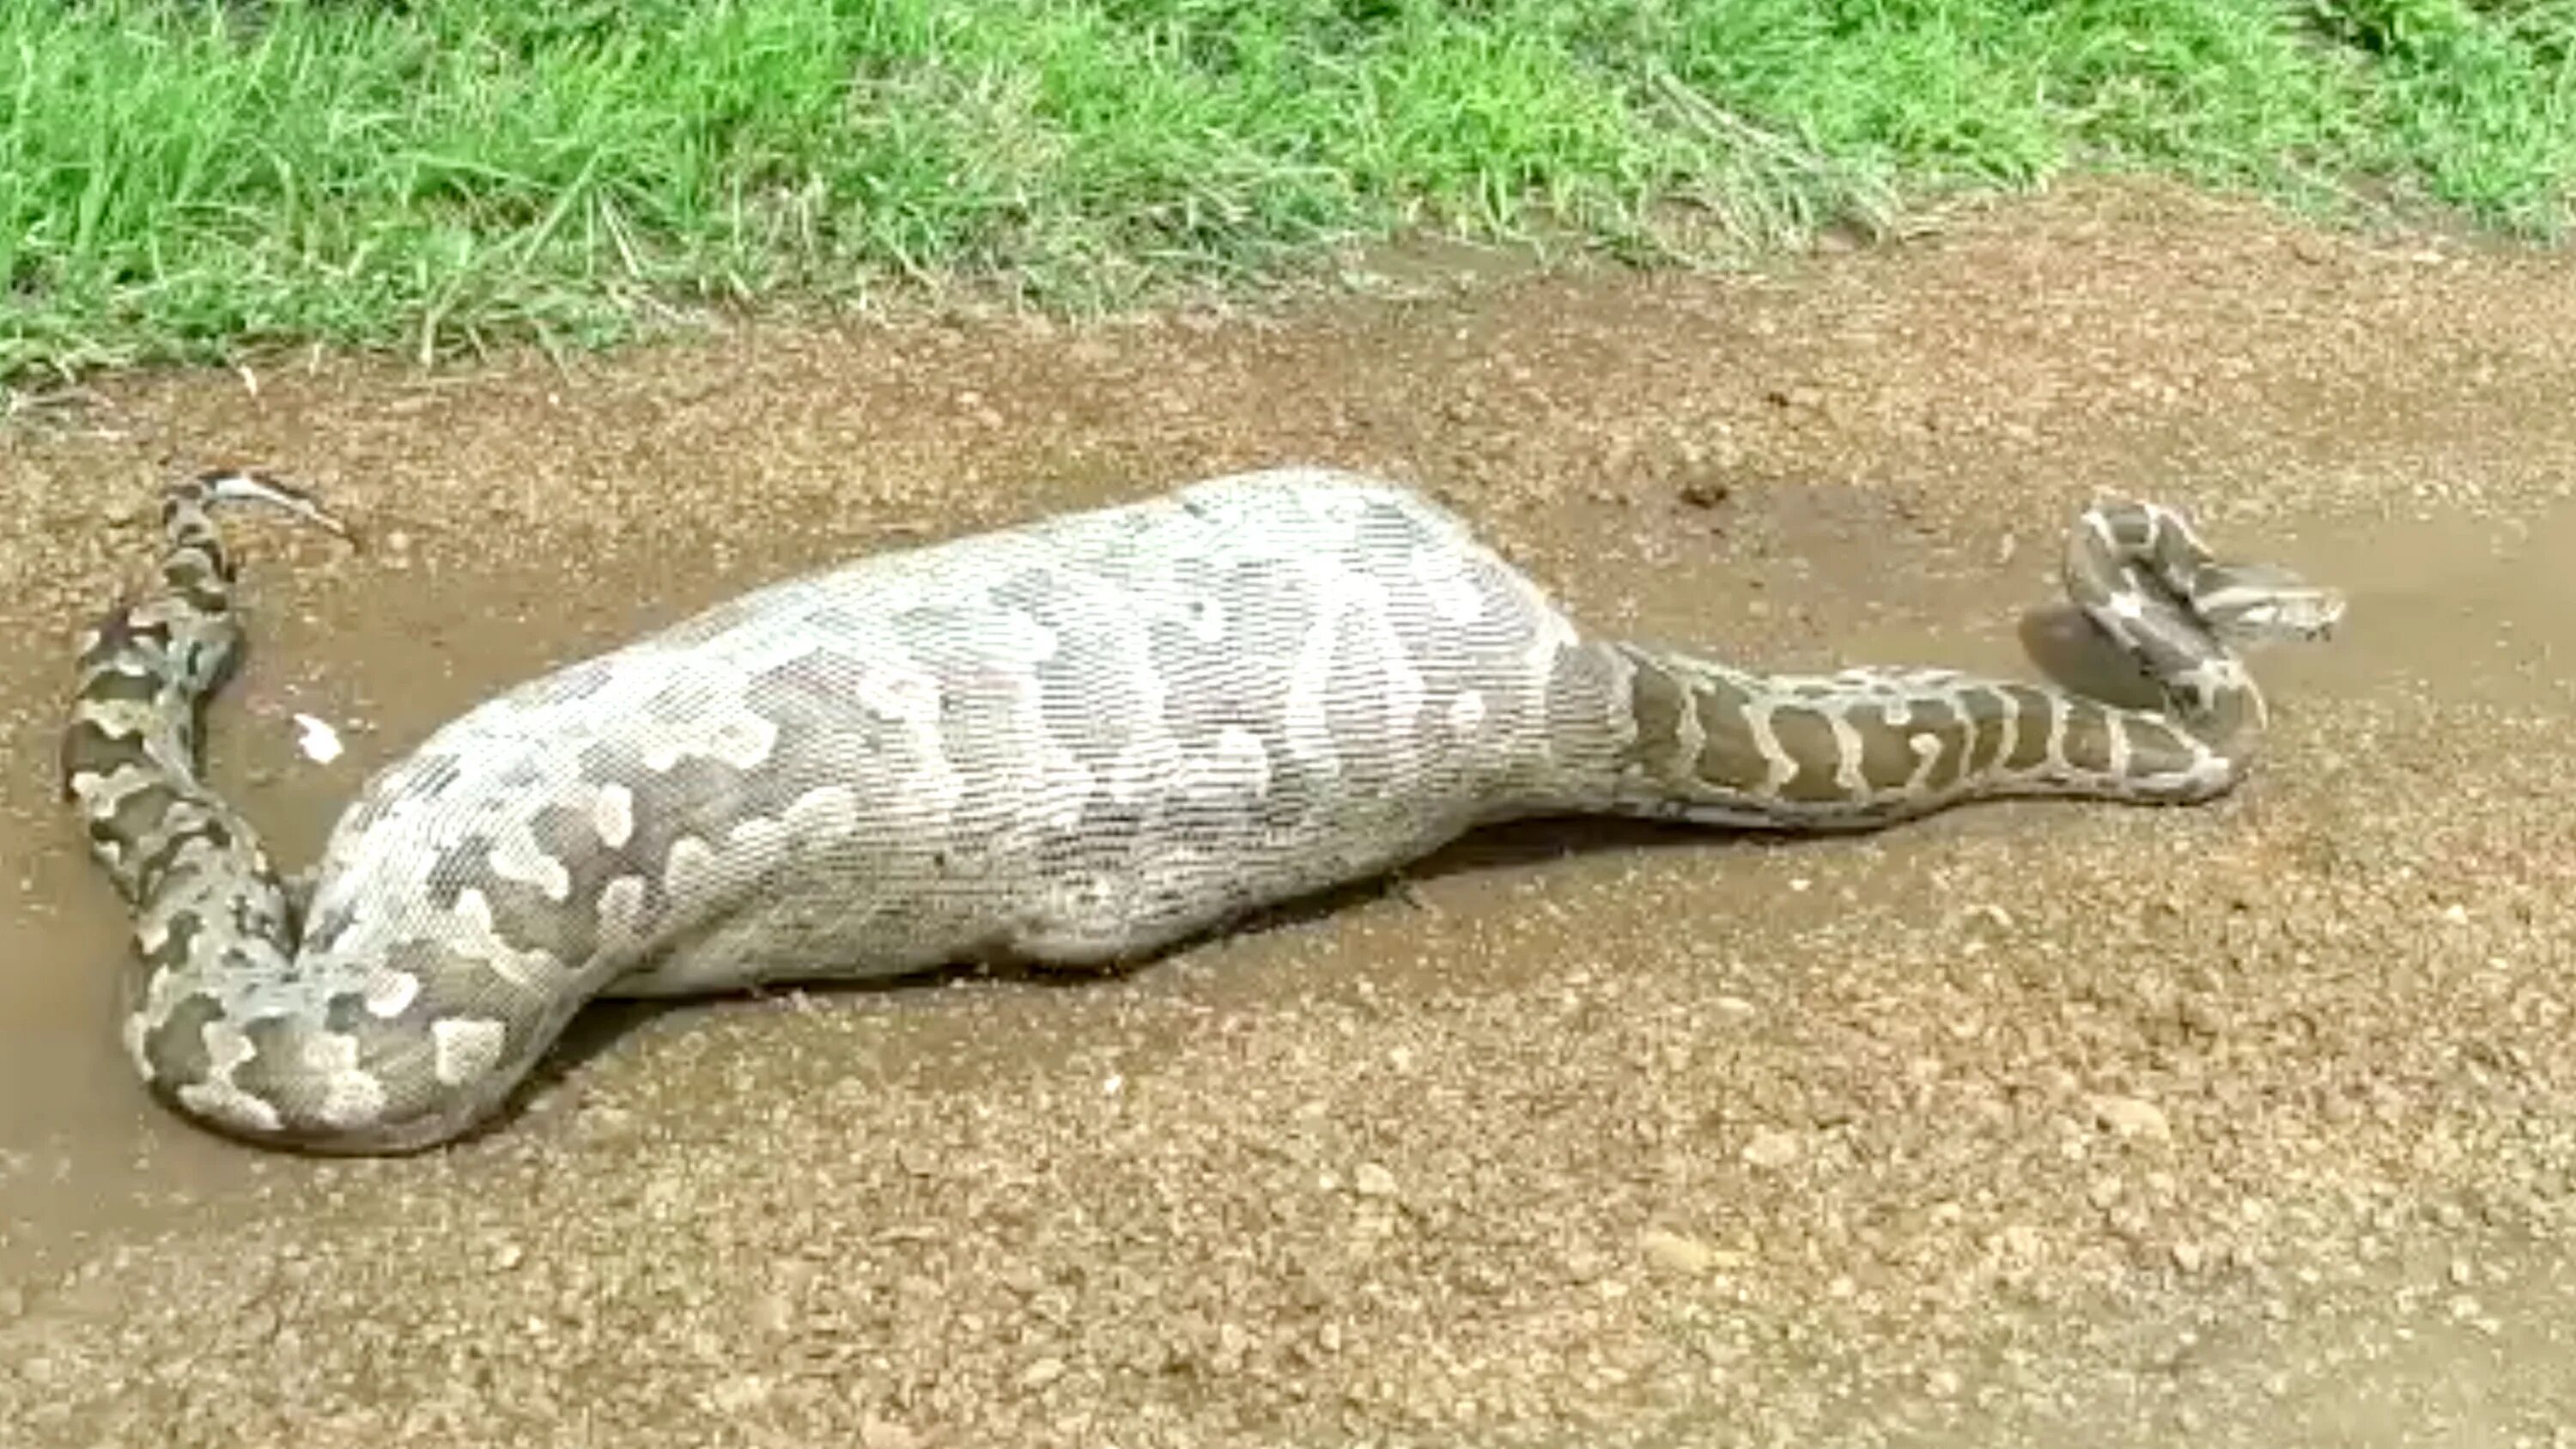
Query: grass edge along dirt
180, 181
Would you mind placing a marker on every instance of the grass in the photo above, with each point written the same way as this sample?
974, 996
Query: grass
181, 181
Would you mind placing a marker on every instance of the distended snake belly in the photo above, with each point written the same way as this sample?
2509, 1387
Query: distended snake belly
1079, 740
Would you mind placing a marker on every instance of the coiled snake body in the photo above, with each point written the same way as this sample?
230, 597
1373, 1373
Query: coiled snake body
1076, 741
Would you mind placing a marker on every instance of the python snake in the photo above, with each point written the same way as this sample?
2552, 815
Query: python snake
1078, 741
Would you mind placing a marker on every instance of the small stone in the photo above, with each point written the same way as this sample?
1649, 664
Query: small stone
508, 1256
122, 513
1042, 1373
602, 1120
1941, 1384
2131, 1117
1705, 493
2204, 1016
2188, 1257
774, 1313
1676, 1253
2020, 1242
738, 1394
1233, 1341
1771, 1147
876, 1433
1371, 1180
316, 739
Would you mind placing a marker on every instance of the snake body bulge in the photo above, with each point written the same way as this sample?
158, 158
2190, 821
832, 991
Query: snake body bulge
1076, 741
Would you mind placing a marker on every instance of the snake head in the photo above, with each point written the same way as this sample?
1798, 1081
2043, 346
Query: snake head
2249, 604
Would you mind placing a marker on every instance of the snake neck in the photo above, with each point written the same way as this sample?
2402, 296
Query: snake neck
1866, 747
206, 900
1703, 741
130, 754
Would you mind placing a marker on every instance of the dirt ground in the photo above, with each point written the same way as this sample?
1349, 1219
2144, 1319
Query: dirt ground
2044, 1124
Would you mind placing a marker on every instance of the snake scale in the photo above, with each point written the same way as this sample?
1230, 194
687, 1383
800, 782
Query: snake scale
1077, 741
